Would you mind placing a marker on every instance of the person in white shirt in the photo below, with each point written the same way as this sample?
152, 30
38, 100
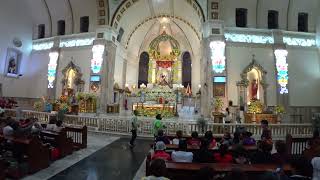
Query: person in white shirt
177, 138
182, 155
316, 168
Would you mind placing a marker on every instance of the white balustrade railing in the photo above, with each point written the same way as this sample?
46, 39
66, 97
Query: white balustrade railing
122, 125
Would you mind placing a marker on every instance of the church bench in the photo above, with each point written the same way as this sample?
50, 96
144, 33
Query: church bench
188, 170
58, 140
37, 154
78, 134
296, 146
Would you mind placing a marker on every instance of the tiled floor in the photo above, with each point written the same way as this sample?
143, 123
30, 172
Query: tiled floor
95, 142
113, 162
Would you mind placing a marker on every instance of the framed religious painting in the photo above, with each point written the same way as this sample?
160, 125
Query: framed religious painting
13, 60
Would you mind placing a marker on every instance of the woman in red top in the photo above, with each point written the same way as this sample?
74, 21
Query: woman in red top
160, 152
212, 142
194, 141
223, 156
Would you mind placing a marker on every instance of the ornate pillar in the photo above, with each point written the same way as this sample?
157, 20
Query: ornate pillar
103, 64
212, 62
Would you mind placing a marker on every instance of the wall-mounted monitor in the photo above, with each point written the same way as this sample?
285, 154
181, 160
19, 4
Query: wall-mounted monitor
219, 79
95, 78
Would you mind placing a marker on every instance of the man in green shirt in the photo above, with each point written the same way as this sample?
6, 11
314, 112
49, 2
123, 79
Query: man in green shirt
157, 125
134, 128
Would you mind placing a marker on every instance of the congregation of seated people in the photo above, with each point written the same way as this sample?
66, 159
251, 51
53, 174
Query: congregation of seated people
231, 150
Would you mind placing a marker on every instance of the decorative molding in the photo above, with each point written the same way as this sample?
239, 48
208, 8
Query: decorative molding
249, 38
76, 42
42, 46
161, 16
304, 42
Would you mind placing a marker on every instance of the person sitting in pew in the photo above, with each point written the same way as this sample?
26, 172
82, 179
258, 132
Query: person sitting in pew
182, 155
203, 155
212, 142
281, 156
241, 155
247, 139
263, 154
157, 170
194, 141
162, 137
223, 156
57, 127
177, 138
226, 139
160, 152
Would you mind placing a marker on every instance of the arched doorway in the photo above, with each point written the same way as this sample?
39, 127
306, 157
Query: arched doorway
143, 69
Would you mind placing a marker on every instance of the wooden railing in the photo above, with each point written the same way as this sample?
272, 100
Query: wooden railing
122, 125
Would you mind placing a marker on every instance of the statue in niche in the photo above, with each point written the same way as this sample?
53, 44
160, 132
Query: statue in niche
12, 68
72, 81
254, 89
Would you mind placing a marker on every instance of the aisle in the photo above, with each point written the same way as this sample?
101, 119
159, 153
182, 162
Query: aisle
115, 161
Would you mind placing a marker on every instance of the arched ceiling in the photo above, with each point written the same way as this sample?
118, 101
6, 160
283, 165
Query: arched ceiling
141, 20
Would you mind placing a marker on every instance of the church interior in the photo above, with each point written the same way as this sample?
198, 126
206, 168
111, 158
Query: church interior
159, 89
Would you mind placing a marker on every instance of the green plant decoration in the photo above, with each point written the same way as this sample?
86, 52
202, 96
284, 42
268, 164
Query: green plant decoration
218, 104
255, 106
279, 109
38, 105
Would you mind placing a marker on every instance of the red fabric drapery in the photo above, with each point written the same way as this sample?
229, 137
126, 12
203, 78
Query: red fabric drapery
164, 64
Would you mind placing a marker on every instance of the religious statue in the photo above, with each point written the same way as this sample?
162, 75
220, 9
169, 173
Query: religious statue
254, 89
162, 80
12, 68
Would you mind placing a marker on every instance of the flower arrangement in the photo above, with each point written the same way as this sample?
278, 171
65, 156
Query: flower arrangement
85, 96
64, 107
279, 109
255, 106
38, 105
218, 104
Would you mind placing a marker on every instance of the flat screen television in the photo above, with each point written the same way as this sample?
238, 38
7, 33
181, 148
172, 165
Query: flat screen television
219, 79
95, 78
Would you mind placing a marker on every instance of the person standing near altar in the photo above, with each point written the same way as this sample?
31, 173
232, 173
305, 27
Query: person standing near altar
134, 128
157, 125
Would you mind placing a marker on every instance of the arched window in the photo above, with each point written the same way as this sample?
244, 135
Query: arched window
186, 69
241, 17
41, 31
273, 19
143, 69
303, 22
119, 37
61, 27
84, 24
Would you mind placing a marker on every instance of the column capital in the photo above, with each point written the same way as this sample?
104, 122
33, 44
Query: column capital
106, 32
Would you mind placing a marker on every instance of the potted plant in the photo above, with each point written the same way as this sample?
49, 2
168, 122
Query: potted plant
218, 104
279, 111
255, 107
37, 105
202, 123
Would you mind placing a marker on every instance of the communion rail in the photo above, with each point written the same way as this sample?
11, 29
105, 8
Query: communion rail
122, 125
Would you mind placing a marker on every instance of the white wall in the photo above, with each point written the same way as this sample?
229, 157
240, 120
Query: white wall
304, 77
265, 5
119, 62
228, 11
238, 58
15, 22
81, 57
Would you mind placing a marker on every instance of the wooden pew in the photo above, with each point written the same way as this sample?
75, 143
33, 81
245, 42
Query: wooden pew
79, 135
193, 148
296, 146
186, 171
2, 170
58, 140
37, 154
